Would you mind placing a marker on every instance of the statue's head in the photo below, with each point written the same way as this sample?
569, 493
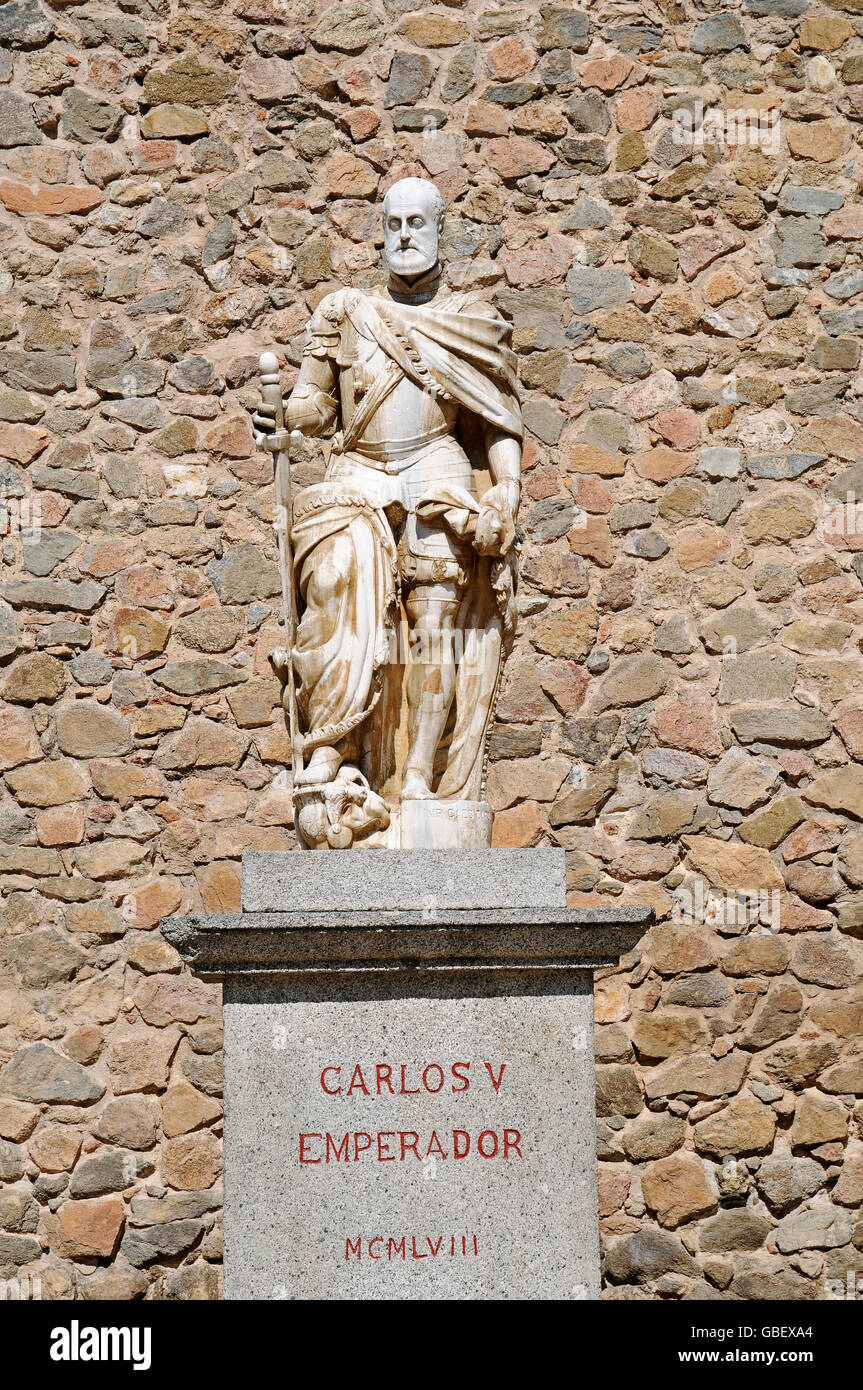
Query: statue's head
413, 221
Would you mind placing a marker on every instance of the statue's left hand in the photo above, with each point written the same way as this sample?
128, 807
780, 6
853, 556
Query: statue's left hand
495, 526
488, 536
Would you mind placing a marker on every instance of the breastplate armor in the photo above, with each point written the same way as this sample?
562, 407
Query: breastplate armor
407, 418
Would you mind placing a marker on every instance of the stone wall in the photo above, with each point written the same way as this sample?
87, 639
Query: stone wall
181, 184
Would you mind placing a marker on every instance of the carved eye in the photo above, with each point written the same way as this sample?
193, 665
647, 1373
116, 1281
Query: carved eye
416, 221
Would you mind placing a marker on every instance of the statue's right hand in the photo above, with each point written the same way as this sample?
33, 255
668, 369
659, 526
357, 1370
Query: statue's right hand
264, 421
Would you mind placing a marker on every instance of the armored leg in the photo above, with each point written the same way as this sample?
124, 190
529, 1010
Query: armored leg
431, 610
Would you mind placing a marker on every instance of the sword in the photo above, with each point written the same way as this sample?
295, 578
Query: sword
271, 394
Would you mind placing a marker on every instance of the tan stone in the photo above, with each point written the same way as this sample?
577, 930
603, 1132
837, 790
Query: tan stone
818, 1121
91, 1227
192, 1162
145, 906
185, 1109
138, 1057
126, 782
663, 1034
138, 633
54, 1148
519, 827
49, 783
770, 827
849, 726
568, 632
163, 999
735, 867
219, 884
201, 743
96, 917
744, 1126
661, 464
349, 177
33, 678
110, 858
17, 1119
18, 741
756, 955
589, 458
700, 1075
821, 141
675, 949
149, 953
212, 800
785, 517
61, 825
90, 730
678, 1189
824, 32
840, 790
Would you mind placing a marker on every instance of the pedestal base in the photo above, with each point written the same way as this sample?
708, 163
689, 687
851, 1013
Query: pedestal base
409, 1091
435, 1141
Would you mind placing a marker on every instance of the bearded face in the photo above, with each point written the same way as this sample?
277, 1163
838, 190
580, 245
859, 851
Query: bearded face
412, 218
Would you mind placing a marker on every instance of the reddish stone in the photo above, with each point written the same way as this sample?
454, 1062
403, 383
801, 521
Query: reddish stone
231, 437
361, 123
516, 157
509, 59
818, 140
637, 109
606, 73
699, 546
91, 1227
564, 682
152, 155
593, 540
539, 263
591, 493
660, 465
61, 825
50, 200
688, 720
484, 118
22, 442
679, 426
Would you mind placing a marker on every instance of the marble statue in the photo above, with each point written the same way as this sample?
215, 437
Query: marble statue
399, 568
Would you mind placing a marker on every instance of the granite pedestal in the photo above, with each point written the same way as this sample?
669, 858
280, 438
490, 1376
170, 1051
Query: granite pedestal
409, 1077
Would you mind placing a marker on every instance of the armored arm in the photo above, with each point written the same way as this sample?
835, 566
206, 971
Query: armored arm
312, 406
495, 526
504, 461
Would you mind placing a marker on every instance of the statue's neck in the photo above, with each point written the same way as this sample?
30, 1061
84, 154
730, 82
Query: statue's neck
417, 290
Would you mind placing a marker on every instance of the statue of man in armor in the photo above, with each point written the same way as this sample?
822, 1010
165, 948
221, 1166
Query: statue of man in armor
402, 561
